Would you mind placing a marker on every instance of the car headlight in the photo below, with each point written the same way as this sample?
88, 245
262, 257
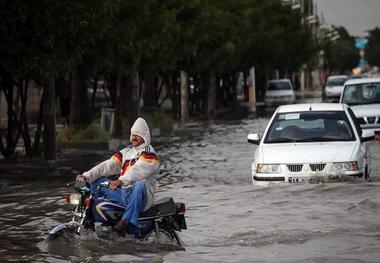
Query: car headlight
268, 168
345, 166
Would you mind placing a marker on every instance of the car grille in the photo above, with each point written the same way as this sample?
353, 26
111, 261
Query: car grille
317, 167
295, 167
369, 120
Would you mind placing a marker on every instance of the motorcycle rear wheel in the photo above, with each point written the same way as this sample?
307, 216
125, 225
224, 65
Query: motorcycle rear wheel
163, 237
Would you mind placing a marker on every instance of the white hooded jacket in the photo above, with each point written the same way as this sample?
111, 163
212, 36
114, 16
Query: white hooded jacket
132, 163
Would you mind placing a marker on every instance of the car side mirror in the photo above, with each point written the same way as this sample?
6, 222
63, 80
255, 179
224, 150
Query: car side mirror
254, 138
367, 135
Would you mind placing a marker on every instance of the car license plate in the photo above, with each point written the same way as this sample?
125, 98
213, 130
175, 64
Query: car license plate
297, 180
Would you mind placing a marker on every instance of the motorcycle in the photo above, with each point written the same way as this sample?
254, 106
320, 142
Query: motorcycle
159, 224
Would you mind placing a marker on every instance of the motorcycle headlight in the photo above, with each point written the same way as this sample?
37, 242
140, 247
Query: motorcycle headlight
73, 199
268, 168
345, 166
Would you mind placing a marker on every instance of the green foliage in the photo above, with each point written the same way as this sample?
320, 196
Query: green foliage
341, 54
90, 134
372, 50
42, 38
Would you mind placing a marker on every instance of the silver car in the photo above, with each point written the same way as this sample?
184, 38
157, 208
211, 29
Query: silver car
279, 92
363, 96
333, 89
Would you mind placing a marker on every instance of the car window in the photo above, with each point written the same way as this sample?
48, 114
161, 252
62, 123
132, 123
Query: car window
365, 93
279, 86
336, 81
310, 126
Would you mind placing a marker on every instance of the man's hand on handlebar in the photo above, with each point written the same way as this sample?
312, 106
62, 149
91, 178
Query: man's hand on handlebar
81, 178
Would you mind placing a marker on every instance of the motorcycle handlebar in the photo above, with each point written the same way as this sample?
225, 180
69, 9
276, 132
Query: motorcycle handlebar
70, 183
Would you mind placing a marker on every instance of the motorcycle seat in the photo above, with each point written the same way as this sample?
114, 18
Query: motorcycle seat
161, 207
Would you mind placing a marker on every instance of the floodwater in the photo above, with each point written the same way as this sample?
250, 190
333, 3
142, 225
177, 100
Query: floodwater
207, 166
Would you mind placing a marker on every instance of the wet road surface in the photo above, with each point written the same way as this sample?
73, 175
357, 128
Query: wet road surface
207, 166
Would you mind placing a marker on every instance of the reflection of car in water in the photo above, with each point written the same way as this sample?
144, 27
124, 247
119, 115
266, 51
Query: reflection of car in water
363, 96
303, 142
279, 92
333, 88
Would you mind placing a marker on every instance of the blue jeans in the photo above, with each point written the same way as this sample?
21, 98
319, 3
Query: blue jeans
133, 198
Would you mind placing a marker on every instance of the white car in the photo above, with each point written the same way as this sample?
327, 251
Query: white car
311, 142
278, 92
363, 96
333, 88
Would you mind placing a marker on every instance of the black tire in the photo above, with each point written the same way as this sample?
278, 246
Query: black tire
366, 174
164, 237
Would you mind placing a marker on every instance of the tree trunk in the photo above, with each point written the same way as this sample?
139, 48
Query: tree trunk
112, 88
24, 126
150, 92
211, 95
168, 89
121, 105
12, 134
175, 96
79, 113
184, 97
37, 136
234, 78
133, 99
49, 146
93, 97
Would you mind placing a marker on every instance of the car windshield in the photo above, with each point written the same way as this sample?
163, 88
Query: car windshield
336, 82
364, 93
310, 126
279, 86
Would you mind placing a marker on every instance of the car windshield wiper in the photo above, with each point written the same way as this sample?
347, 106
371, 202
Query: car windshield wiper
313, 139
320, 139
337, 139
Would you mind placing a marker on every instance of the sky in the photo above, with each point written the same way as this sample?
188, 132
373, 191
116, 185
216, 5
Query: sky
357, 16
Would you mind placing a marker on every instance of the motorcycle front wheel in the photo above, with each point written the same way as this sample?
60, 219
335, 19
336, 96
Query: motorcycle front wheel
65, 233
163, 237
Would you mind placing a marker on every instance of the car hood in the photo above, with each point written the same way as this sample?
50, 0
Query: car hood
275, 93
366, 110
307, 152
335, 87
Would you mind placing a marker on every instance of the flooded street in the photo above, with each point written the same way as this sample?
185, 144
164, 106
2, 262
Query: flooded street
208, 167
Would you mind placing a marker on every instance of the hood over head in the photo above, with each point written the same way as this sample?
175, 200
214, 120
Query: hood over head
140, 128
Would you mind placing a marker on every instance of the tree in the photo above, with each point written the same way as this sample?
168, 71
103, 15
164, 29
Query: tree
38, 41
372, 49
341, 55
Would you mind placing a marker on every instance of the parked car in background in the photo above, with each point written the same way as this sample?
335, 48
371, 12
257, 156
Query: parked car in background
333, 88
363, 96
279, 92
311, 143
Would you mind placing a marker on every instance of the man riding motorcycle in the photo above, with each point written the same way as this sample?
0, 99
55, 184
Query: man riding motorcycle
138, 167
